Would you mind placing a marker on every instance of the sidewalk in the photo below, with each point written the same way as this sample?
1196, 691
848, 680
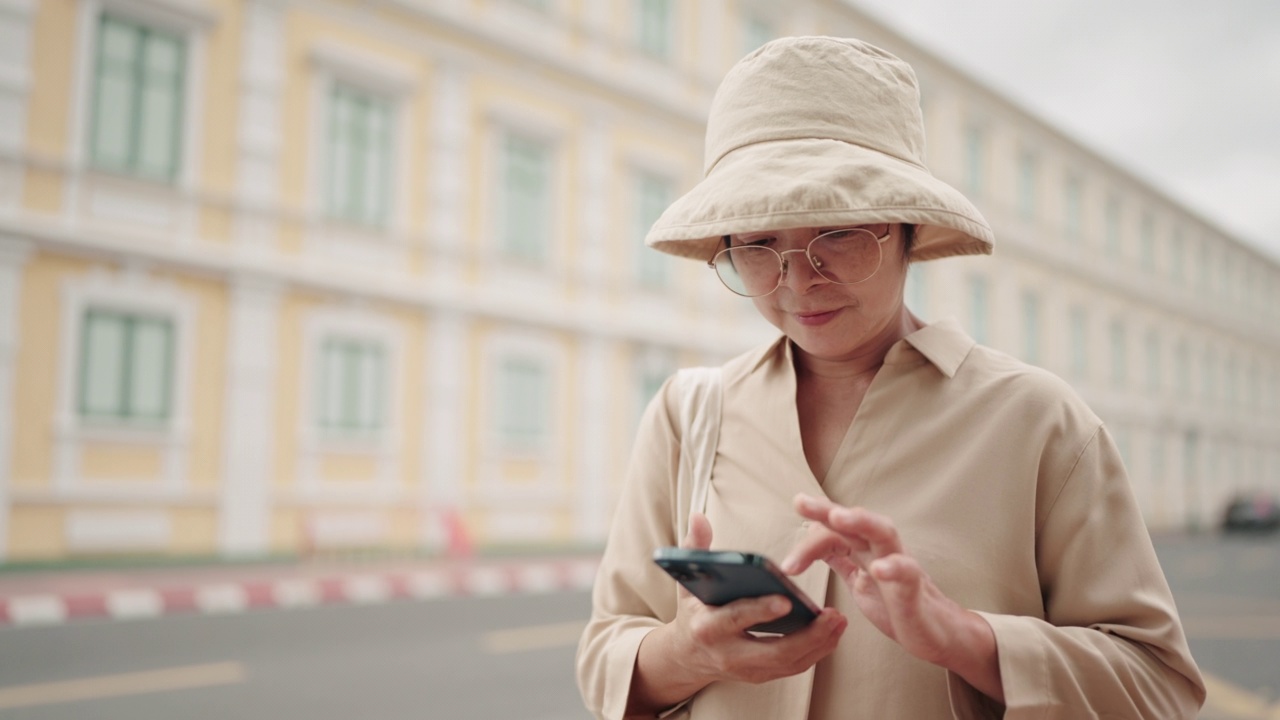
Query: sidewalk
53, 596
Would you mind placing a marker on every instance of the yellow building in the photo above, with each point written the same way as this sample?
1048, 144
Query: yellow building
280, 276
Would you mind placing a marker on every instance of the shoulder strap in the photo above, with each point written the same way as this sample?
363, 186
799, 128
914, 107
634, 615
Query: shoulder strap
700, 407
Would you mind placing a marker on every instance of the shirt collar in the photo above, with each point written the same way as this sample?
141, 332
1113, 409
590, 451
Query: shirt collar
943, 343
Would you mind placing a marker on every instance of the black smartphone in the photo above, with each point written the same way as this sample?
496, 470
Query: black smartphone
720, 577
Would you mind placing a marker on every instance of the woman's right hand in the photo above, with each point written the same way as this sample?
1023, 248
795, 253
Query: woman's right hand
706, 644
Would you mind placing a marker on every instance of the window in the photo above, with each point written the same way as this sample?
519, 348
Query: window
1027, 185
655, 28
1031, 327
1182, 369
755, 32
524, 402
978, 308
973, 159
652, 195
1147, 251
353, 387
1113, 235
1073, 208
917, 291
1119, 354
1206, 263
126, 366
1154, 370
526, 190
359, 168
137, 106
1079, 343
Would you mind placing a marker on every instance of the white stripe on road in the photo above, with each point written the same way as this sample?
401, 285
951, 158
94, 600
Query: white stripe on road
425, 585
537, 637
486, 582
295, 593
367, 590
216, 599
137, 683
126, 604
37, 610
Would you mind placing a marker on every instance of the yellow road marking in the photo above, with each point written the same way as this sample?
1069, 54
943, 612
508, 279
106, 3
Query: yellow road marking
135, 683
537, 637
1232, 702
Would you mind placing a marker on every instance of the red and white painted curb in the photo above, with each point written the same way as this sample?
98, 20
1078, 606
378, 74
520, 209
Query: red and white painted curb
478, 580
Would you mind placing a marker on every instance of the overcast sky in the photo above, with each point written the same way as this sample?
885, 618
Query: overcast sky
1184, 94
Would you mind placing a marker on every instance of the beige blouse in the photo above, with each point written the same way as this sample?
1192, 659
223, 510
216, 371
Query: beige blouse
1002, 483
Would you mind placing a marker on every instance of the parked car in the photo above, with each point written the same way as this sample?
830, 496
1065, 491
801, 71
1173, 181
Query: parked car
1252, 512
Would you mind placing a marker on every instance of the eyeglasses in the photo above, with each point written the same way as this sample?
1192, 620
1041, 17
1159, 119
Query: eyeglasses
844, 257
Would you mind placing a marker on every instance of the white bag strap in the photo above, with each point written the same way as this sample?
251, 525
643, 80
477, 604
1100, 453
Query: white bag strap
700, 407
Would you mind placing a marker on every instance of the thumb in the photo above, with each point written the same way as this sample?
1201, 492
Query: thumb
699, 537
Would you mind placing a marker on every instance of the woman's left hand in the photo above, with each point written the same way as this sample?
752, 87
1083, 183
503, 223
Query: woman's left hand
894, 593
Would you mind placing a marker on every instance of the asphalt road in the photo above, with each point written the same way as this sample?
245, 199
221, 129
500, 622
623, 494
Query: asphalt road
502, 657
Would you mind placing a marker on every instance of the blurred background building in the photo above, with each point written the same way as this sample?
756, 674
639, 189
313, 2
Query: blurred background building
281, 276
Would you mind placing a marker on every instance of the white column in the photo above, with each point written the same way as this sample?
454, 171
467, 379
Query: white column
449, 376
15, 88
13, 256
591, 511
260, 126
244, 518
450, 144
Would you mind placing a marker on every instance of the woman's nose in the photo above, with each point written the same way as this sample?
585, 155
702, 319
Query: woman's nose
800, 269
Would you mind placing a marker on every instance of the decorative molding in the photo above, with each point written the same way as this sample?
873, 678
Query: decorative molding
377, 73
117, 530
13, 257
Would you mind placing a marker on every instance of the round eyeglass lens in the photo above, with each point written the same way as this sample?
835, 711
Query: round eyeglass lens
749, 270
846, 256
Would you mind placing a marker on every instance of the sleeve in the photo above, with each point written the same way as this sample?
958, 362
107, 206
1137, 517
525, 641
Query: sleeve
1111, 644
632, 595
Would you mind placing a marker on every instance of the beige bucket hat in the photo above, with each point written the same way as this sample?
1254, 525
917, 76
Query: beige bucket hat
818, 132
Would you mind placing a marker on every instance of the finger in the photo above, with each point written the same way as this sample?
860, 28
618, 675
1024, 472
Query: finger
875, 529
900, 580
740, 615
699, 536
823, 544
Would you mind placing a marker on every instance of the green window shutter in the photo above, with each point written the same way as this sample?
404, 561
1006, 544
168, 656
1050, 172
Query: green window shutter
126, 366
655, 28
527, 212
151, 368
137, 100
653, 194
524, 398
359, 163
352, 385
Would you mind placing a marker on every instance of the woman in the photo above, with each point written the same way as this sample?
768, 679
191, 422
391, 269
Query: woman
965, 517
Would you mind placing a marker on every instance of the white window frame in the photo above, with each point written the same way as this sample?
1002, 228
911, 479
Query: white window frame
537, 124
315, 441
551, 484
332, 64
130, 292
653, 270
191, 22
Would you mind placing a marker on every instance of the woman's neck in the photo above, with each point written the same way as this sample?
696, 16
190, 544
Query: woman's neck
863, 363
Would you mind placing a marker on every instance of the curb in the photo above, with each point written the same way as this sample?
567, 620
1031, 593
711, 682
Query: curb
488, 580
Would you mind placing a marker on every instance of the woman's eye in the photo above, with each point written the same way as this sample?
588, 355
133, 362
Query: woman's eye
757, 242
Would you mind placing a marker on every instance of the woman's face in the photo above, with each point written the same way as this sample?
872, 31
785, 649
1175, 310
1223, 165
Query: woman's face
829, 320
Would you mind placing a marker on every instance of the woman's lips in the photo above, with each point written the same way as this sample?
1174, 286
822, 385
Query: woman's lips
815, 318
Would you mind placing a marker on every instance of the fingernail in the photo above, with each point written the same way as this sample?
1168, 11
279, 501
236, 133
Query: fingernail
788, 566
779, 605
